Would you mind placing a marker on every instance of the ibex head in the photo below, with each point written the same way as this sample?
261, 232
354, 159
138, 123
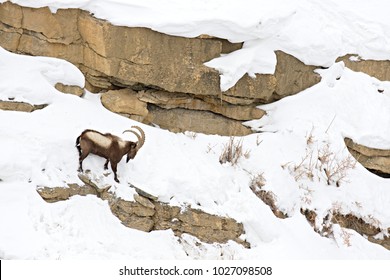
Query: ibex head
135, 146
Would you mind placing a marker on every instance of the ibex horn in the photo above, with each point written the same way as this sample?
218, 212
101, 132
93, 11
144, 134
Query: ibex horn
141, 138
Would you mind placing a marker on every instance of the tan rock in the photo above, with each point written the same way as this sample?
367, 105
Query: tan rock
142, 59
134, 208
20, 106
144, 194
56, 28
169, 100
37, 45
379, 69
140, 223
261, 88
92, 33
11, 14
16, 106
292, 75
143, 201
95, 81
234, 100
106, 66
208, 228
75, 90
371, 158
9, 37
124, 101
180, 120
63, 193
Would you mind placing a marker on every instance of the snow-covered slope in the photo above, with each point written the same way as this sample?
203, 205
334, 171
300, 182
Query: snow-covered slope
38, 149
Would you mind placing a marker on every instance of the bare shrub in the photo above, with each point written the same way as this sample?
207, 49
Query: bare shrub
305, 168
310, 138
306, 198
346, 236
322, 164
335, 169
233, 151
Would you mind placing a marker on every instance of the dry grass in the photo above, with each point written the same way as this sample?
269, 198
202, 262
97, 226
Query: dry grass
310, 137
233, 151
322, 164
306, 198
258, 140
346, 236
335, 169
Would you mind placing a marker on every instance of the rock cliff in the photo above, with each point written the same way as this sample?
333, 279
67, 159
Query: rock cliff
150, 76
157, 78
147, 214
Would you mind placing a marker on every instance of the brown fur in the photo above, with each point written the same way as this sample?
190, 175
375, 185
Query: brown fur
112, 148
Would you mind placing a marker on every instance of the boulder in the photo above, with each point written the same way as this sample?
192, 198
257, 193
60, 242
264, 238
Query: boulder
125, 102
76, 90
20, 106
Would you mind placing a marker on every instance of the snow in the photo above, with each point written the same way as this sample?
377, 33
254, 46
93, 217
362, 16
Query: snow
38, 149
314, 31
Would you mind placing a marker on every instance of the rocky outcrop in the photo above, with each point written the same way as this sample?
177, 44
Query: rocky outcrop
365, 229
76, 90
376, 160
147, 214
379, 69
20, 106
164, 77
369, 230
125, 102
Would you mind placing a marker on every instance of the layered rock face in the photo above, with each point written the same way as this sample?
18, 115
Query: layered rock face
20, 106
379, 69
150, 76
376, 160
148, 215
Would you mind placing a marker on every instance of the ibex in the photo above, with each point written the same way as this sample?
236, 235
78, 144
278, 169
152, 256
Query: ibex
108, 146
